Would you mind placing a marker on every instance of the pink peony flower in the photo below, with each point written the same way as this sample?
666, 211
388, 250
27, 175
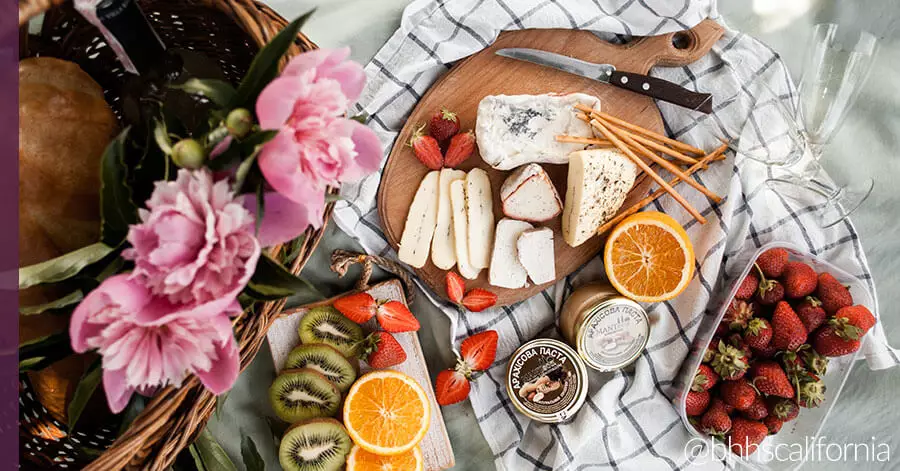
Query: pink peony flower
195, 243
316, 147
147, 342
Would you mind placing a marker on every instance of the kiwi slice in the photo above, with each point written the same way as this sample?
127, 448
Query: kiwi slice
303, 394
314, 445
327, 325
326, 360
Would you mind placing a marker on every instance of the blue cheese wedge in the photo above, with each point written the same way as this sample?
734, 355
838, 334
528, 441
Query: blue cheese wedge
514, 130
480, 215
529, 195
506, 271
443, 246
598, 181
415, 243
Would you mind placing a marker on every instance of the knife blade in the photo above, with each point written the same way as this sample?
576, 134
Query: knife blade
607, 73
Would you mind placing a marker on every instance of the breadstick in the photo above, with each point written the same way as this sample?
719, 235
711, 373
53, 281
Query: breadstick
646, 132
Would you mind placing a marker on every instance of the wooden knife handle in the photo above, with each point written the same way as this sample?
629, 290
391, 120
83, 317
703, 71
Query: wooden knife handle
662, 90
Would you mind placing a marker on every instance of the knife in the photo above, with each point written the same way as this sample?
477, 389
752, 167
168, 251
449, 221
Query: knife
606, 73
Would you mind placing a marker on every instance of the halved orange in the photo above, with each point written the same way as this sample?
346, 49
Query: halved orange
386, 412
362, 460
649, 257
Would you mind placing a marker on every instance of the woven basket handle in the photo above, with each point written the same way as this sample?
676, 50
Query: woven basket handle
28, 9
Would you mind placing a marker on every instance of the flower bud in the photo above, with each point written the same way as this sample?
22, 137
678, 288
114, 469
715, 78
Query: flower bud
239, 122
188, 153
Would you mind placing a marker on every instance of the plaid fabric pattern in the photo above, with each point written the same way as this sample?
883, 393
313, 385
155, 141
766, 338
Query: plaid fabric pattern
628, 421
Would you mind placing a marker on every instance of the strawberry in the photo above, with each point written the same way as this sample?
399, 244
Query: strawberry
704, 379
831, 342
444, 125
772, 262
716, 421
773, 424
810, 313
788, 331
723, 329
746, 435
770, 379
794, 366
783, 409
833, 294
479, 299
695, 402
766, 353
451, 387
770, 292
729, 362
738, 313
815, 362
856, 316
748, 287
395, 317
456, 287
799, 279
479, 350
758, 334
737, 341
757, 410
461, 147
710, 351
381, 350
738, 393
811, 392
427, 149
358, 307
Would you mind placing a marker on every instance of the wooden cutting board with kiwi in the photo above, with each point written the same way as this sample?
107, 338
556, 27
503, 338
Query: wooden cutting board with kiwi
293, 328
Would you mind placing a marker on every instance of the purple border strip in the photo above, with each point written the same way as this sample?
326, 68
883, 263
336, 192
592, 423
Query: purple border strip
9, 239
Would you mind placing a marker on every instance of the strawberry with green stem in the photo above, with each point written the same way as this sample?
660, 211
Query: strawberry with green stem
730, 363
758, 333
477, 354
704, 379
770, 291
393, 316
811, 313
381, 350
833, 293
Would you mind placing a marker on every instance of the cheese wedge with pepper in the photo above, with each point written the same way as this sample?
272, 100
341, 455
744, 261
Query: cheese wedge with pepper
415, 243
480, 215
460, 229
598, 182
443, 246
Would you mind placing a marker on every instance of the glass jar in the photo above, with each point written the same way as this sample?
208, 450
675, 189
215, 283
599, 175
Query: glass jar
547, 381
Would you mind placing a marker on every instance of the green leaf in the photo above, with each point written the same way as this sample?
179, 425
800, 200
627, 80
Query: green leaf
37, 354
220, 403
62, 302
264, 67
260, 206
83, 392
117, 209
252, 460
63, 267
271, 281
361, 118
331, 197
196, 455
136, 405
161, 136
219, 92
243, 170
211, 453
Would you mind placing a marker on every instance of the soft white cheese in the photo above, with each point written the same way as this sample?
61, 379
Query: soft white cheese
480, 213
529, 195
599, 180
443, 246
460, 229
420, 222
535, 251
506, 271
514, 130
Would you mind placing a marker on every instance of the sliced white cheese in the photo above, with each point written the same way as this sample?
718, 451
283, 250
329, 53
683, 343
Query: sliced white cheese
460, 229
420, 222
599, 180
529, 195
506, 271
514, 130
535, 252
443, 246
480, 214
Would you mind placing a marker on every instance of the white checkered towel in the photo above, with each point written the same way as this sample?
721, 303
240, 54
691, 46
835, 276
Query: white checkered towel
628, 417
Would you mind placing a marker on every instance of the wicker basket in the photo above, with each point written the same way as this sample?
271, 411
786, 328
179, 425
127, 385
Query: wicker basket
230, 31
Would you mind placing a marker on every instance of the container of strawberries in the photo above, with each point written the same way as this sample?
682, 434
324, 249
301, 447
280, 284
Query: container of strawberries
762, 378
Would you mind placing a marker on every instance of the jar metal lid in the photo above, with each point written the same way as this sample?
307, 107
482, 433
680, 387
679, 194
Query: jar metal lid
547, 380
613, 334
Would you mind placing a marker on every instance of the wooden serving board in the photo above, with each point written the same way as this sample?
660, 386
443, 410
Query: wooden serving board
283, 337
484, 74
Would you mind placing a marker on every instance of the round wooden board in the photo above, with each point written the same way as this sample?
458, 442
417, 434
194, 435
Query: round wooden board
484, 74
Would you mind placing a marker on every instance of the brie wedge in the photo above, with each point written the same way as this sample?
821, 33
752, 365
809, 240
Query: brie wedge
460, 230
480, 214
443, 246
514, 130
420, 222
506, 271
535, 251
599, 180
529, 195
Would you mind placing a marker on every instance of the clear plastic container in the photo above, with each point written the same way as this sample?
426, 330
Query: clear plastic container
802, 431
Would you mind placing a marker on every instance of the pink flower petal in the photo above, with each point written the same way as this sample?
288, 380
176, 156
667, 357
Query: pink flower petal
280, 164
276, 102
368, 152
225, 369
119, 290
221, 147
324, 58
284, 220
117, 391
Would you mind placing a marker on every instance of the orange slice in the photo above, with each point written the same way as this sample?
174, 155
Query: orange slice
362, 460
649, 257
386, 412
